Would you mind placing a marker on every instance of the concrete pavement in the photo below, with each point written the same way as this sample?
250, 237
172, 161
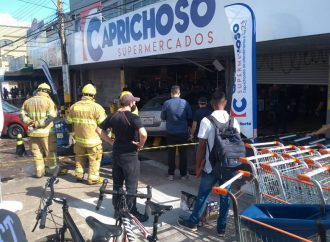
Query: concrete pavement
25, 190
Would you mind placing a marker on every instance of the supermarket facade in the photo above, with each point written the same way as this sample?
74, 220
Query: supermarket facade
183, 41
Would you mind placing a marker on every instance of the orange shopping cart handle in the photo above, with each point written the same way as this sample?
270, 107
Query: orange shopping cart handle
220, 191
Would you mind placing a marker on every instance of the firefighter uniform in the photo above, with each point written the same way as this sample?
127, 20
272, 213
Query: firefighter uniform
86, 115
39, 112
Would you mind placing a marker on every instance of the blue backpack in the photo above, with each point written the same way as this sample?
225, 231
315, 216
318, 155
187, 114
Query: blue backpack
227, 149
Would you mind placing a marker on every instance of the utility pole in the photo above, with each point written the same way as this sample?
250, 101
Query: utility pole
65, 64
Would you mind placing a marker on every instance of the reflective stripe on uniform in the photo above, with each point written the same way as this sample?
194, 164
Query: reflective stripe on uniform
93, 177
25, 117
68, 119
83, 121
100, 120
79, 170
87, 141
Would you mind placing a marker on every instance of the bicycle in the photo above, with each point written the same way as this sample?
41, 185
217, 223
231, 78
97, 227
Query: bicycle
125, 219
101, 231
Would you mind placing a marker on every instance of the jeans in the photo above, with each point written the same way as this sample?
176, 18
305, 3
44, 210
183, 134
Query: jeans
177, 139
205, 187
125, 168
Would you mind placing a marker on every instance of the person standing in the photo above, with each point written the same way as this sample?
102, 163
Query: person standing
204, 170
130, 137
5, 93
176, 112
39, 112
203, 111
86, 115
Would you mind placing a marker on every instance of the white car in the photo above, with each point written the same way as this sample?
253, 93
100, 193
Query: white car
150, 112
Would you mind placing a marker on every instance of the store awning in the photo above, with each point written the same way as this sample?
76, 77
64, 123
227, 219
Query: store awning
25, 74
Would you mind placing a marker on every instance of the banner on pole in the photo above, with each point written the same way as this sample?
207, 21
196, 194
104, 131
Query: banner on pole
244, 106
45, 68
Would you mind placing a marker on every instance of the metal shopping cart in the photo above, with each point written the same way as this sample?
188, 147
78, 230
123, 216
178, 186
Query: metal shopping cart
301, 154
318, 161
320, 178
274, 222
280, 149
269, 185
292, 190
256, 148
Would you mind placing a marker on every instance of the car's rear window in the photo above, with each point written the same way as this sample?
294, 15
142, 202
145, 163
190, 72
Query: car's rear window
155, 104
9, 108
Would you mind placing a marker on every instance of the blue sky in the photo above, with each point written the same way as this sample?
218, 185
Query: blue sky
24, 11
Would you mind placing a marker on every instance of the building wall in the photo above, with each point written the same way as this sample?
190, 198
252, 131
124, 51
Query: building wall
107, 82
274, 20
9, 51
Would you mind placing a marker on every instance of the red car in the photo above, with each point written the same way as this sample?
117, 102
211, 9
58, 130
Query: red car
13, 125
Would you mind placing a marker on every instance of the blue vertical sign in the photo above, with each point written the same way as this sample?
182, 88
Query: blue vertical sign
244, 99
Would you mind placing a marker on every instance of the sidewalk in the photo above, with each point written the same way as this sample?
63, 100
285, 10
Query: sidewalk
26, 191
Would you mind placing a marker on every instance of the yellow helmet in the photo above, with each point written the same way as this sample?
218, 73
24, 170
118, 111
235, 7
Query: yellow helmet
124, 93
89, 89
44, 87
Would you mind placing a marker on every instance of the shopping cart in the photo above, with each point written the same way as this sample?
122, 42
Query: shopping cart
301, 154
269, 185
252, 225
280, 149
304, 220
291, 188
257, 147
321, 180
318, 161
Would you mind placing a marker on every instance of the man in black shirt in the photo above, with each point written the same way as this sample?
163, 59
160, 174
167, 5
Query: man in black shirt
203, 111
127, 128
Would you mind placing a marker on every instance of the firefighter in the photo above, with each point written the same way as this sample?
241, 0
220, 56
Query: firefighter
39, 112
86, 115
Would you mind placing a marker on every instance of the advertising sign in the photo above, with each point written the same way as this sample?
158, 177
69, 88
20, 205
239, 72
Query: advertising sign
160, 28
244, 104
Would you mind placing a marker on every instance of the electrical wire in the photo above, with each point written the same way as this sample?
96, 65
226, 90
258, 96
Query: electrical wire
105, 9
35, 4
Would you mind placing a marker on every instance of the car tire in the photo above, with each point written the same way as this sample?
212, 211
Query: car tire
14, 130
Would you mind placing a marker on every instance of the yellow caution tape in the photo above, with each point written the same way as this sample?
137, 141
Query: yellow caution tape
144, 149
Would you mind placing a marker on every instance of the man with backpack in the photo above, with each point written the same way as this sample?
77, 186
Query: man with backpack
217, 159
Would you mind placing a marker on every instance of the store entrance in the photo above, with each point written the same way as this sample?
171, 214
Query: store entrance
290, 108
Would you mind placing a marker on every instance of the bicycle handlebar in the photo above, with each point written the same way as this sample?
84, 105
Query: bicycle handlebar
114, 192
42, 213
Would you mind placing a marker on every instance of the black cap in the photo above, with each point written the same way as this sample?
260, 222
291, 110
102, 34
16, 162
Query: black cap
202, 100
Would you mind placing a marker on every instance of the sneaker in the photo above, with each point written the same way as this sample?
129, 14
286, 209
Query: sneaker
170, 177
186, 224
141, 217
95, 182
221, 233
184, 178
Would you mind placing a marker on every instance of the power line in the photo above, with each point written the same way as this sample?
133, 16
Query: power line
40, 5
70, 21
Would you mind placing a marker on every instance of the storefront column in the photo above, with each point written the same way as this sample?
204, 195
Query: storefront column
122, 79
328, 101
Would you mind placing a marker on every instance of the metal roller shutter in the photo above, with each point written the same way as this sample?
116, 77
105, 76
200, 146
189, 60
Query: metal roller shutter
304, 68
